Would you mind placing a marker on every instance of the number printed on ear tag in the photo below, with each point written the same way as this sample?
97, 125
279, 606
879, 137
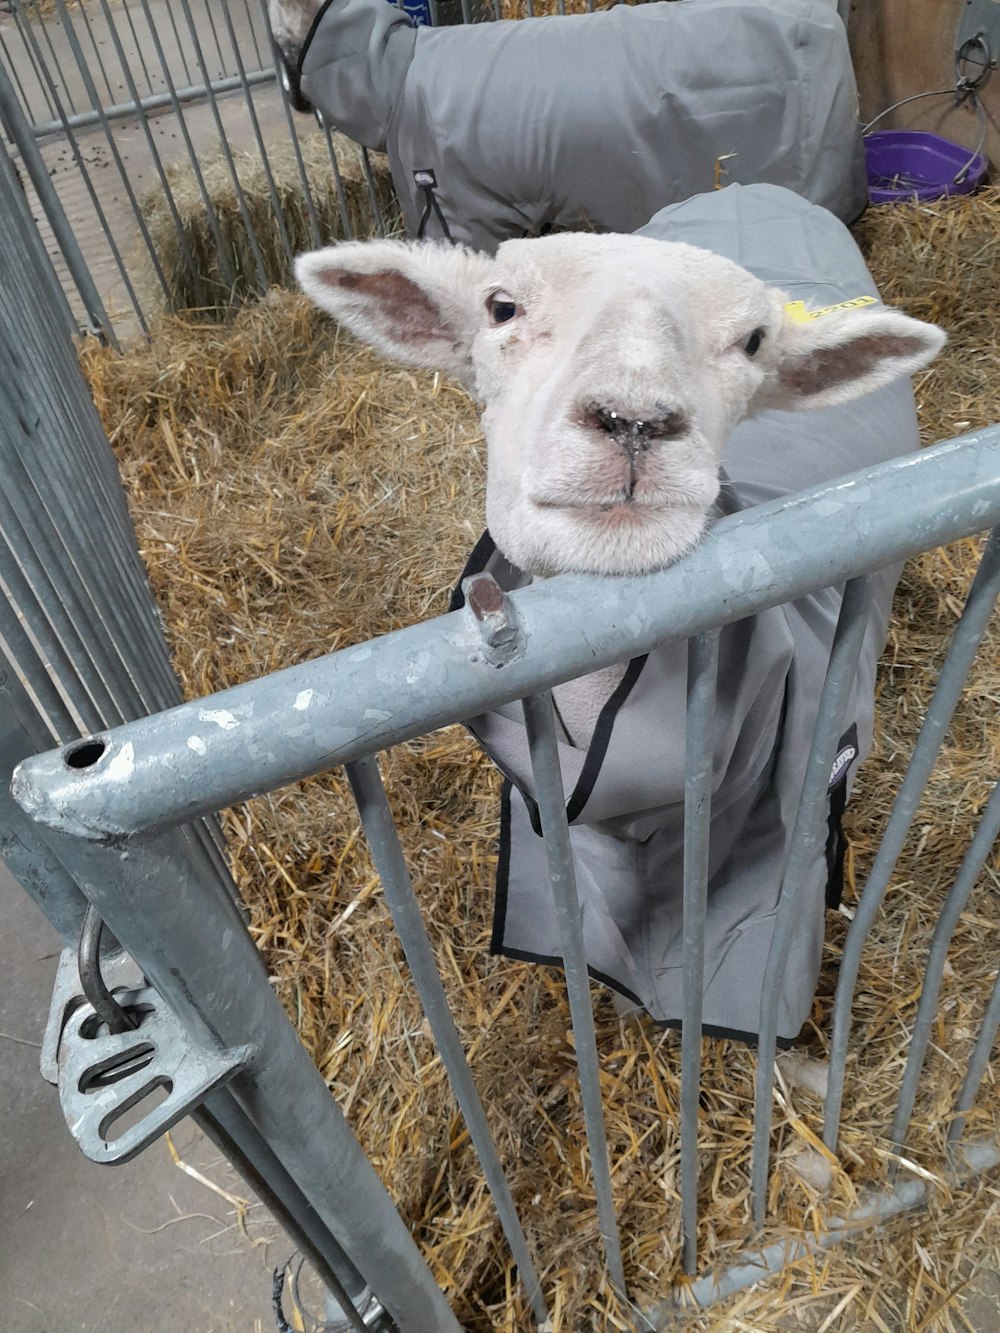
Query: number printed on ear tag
798, 312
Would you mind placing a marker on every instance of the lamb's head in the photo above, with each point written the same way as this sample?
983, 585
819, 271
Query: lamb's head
611, 370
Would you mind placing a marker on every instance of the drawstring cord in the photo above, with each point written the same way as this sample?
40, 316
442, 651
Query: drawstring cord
426, 181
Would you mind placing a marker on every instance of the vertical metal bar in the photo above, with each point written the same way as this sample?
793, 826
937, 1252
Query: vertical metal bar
224, 1122
215, 38
954, 905
197, 953
977, 1066
24, 664
23, 845
703, 664
224, 146
49, 523
94, 199
372, 193
16, 208
26, 28
67, 20
952, 677
55, 629
126, 64
272, 189
142, 683
123, 172
12, 69
17, 127
466, 11
338, 180
168, 194
807, 836
540, 723
225, 266
383, 840
168, 5
315, 233
56, 564
68, 479
253, 34
60, 470
52, 440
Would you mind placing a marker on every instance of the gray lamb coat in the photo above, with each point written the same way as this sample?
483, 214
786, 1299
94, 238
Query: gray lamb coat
593, 119
630, 779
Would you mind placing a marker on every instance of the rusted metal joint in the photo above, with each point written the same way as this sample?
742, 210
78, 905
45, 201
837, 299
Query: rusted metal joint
494, 619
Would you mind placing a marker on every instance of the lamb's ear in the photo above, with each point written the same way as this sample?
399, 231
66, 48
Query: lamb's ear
418, 302
840, 355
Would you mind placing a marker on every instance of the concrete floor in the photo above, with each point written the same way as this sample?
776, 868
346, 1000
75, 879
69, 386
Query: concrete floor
139, 1248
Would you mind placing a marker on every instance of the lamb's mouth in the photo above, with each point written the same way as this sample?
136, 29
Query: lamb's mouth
622, 504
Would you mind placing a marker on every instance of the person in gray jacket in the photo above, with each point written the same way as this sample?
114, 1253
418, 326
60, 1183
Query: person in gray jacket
504, 129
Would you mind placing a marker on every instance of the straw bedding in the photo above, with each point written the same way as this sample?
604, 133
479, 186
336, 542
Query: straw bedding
292, 495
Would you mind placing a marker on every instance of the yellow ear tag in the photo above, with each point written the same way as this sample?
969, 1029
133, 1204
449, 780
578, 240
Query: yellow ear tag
798, 313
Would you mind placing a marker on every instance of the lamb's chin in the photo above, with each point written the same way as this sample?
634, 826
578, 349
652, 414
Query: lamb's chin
620, 539
631, 544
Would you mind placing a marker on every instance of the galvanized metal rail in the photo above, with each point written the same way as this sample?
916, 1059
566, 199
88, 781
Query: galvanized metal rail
138, 781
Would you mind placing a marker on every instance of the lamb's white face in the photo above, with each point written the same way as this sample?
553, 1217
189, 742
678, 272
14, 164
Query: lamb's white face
611, 370
609, 399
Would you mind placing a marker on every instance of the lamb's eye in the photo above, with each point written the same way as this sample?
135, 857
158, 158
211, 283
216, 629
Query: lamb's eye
753, 342
502, 307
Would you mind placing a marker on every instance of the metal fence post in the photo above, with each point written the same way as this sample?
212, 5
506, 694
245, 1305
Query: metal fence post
196, 952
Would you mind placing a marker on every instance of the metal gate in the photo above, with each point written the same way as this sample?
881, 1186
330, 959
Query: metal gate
125, 120
114, 823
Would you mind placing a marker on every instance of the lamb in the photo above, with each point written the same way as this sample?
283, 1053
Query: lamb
499, 130
633, 387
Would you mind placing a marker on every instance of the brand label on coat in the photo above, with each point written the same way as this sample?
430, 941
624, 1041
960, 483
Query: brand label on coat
842, 763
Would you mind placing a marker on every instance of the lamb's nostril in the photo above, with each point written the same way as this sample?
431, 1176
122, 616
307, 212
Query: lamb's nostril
636, 432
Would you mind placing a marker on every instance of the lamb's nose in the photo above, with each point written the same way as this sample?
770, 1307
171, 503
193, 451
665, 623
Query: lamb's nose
636, 434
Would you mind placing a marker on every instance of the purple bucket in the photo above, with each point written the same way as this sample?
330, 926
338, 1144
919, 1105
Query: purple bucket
909, 164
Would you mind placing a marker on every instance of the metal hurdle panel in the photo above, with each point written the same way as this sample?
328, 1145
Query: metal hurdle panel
105, 818
101, 102
109, 818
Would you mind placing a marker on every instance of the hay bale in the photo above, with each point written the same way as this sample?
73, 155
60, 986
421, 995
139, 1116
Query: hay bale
221, 279
294, 494
519, 9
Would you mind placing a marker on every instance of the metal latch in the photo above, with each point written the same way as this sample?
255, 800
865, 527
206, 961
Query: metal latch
150, 1076
978, 38
105, 1075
